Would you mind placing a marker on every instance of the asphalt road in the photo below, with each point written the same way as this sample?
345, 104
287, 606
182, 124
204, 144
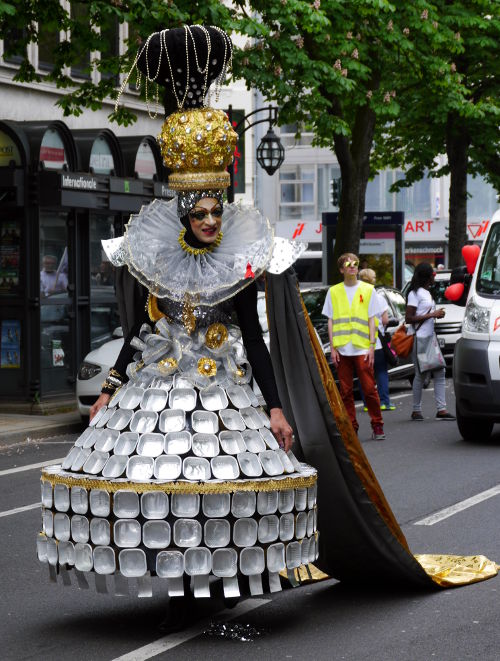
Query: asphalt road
423, 468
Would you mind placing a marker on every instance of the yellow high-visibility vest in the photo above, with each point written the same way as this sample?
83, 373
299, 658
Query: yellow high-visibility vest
350, 322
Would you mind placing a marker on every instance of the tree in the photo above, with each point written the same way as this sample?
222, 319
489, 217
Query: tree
465, 127
88, 23
344, 69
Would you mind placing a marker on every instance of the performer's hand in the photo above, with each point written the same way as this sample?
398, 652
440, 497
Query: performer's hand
335, 355
281, 429
370, 357
99, 403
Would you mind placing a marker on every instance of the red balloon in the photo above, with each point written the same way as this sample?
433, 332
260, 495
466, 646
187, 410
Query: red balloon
455, 292
470, 255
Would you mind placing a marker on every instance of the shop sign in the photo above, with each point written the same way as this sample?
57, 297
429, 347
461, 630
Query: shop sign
162, 190
52, 153
11, 344
78, 182
8, 150
101, 158
145, 164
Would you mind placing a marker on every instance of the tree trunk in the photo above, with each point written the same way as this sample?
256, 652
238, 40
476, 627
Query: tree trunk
354, 161
457, 149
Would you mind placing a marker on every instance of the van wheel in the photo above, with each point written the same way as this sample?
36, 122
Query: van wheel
472, 429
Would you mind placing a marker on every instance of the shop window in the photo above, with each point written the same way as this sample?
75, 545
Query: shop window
145, 163
103, 306
52, 151
55, 344
10, 257
297, 193
53, 255
8, 152
101, 158
80, 14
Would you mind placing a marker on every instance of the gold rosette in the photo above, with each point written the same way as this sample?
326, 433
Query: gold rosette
215, 336
207, 367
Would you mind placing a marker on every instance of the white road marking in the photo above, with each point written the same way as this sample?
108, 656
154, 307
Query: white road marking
458, 507
20, 509
20, 469
175, 639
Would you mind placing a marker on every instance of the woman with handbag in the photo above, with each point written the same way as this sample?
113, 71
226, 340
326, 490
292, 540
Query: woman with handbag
380, 363
420, 313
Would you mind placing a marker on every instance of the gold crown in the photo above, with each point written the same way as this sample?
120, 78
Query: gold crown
197, 146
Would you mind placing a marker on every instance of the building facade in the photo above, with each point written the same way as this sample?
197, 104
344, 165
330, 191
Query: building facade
66, 183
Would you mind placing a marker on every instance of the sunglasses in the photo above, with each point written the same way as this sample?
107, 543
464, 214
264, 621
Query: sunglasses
351, 262
199, 213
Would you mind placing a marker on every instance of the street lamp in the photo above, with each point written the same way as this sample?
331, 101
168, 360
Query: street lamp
270, 152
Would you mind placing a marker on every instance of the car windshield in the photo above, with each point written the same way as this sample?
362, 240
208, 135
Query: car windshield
397, 301
314, 300
488, 275
437, 291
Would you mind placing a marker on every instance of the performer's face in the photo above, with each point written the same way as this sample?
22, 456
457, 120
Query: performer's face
205, 219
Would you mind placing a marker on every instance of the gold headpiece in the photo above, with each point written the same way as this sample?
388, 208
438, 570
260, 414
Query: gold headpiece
197, 146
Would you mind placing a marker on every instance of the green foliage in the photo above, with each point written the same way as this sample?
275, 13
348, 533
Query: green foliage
422, 131
91, 18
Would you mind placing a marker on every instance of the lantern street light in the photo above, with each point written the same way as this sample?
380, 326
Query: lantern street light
270, 152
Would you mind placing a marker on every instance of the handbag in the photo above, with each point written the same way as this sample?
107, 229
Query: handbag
429, 355
401, 342
391, 357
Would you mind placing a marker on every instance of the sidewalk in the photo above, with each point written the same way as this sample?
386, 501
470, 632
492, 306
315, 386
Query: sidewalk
15, 428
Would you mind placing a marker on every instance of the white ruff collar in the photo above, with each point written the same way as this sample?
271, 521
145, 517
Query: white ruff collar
151, 250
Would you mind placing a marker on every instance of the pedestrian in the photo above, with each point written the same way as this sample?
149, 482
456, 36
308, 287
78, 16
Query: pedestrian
380, 364
199, 260
352, 307
420, 313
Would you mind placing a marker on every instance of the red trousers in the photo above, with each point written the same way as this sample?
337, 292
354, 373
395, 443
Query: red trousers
366, 376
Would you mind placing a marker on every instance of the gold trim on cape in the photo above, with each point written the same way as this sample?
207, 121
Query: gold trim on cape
444, 570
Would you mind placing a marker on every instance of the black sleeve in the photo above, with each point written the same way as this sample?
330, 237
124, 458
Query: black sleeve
127, 352
245, 303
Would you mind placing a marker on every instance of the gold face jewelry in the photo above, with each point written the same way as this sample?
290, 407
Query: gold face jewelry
198, 251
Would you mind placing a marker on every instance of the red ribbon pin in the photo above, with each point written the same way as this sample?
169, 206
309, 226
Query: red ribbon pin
249, 273
361, 298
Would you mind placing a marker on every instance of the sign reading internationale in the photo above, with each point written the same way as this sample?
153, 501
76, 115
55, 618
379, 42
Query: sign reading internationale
78, 182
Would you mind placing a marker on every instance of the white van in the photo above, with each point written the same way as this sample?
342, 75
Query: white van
476, 362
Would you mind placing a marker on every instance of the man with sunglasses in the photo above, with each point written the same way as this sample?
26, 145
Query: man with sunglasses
352, 307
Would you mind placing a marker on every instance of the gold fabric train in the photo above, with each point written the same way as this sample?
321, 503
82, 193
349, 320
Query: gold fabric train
361, 540
445, 570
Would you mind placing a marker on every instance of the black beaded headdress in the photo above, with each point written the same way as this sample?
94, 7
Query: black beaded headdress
197, 142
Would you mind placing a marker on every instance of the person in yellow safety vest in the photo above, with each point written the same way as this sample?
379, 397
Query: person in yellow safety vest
352, 307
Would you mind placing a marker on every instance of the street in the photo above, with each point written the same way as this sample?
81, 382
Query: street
424, 468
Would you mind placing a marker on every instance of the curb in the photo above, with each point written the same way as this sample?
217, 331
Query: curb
12, 437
